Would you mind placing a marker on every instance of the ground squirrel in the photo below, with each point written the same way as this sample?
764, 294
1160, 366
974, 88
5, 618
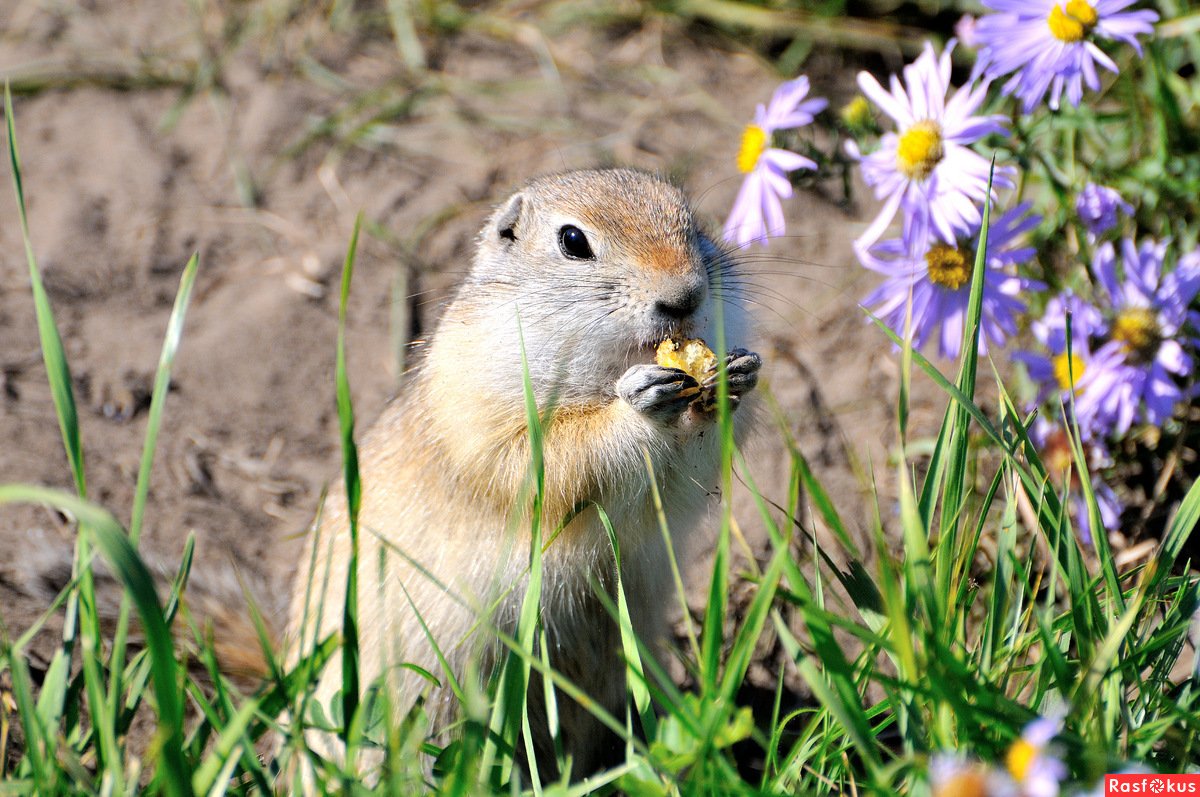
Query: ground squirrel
592, 269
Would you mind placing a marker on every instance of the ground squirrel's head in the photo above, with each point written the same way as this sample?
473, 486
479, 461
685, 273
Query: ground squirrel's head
601, 266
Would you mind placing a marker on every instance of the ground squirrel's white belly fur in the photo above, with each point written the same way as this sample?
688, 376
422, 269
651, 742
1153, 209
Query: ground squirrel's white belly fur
441, 534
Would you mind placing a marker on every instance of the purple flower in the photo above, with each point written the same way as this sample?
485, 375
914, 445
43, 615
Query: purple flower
1050, 45
1051, 328
937, 276
953, 775
1031, 761
1149, 311
964, 31
1104, 395
925, 168
757, 212
1106, 501
1098, 206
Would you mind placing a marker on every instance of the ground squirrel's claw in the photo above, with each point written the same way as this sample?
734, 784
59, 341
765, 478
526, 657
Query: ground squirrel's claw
661, 393
742, 368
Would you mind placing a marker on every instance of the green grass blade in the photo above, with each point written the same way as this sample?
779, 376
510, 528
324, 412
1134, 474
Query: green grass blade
712, 632
936, 473
53, 354
215, 768
821, 501
1116, 603
955, 489
51, 700
567, 687
509, 721
629, 644
37, 749
103, 717
53, 693
1177, 535
158, 396
345, 410
742, 648
834, 682
669, 545
917, 581
529, 618
162, 382
131, 571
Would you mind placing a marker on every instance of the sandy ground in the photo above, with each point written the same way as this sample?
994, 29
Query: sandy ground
260, 172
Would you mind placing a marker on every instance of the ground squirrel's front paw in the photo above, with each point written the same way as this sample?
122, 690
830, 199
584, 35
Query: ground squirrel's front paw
660, 393
741, 366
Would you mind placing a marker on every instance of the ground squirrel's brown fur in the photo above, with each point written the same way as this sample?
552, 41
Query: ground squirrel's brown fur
443, 527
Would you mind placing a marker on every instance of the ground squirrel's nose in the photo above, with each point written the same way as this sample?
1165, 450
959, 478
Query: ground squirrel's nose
681, 303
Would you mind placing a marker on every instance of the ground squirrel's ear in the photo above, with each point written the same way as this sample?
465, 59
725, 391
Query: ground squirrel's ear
506, 219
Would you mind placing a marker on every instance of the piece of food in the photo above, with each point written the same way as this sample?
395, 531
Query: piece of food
691, 356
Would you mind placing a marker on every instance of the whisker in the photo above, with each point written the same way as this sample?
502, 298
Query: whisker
730, 301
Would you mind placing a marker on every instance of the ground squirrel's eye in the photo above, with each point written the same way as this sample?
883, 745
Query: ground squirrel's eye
574, 243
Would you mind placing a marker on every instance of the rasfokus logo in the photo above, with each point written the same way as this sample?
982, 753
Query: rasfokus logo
1153, 785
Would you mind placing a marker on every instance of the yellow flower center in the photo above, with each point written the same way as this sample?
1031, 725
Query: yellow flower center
1067, 370
920, 149
970, 782
754, 141
857, 113
1071, 23
1019, 758
1137, 329
949, 267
